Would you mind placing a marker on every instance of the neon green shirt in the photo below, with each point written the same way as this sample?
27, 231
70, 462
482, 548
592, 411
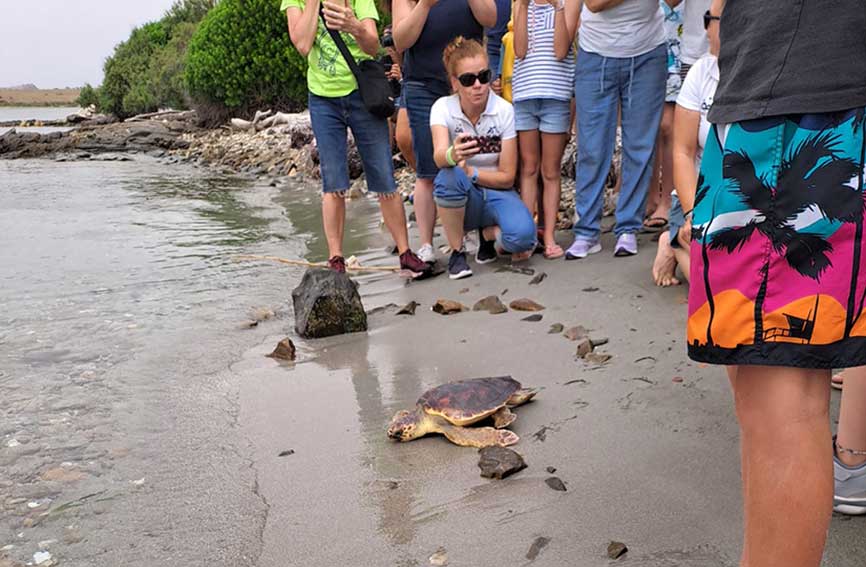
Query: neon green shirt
328, 75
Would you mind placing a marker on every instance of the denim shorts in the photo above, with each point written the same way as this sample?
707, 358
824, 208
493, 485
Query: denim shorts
418, 98
546, 115
330, 118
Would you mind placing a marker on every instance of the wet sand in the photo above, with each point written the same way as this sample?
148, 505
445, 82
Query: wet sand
647, 460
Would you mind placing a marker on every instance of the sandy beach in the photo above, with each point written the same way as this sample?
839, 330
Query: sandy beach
646, 444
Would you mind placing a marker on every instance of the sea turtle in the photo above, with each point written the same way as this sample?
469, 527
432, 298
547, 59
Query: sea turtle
449, 408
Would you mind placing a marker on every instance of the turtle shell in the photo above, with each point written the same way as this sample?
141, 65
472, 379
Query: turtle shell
468, 401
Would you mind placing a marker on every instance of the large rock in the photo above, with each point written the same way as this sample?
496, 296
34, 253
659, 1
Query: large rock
327, 304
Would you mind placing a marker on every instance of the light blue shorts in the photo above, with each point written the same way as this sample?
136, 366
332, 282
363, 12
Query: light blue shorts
546, 115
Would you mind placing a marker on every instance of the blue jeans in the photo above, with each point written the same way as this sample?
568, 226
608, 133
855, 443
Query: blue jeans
330, 117
601, 86
419, 98
452, 189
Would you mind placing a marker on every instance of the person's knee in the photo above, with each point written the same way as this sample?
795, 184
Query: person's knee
529, 165
518, 236
772, 399
551, 171
450, 189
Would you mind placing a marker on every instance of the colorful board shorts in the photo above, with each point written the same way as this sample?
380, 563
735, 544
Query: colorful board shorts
778, 271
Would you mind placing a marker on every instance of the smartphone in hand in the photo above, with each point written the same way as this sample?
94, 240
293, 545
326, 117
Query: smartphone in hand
489, 144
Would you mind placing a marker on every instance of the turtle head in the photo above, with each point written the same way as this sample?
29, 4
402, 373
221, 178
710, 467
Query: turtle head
405, 426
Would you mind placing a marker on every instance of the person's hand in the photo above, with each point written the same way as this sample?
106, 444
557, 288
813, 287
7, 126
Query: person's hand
684, 235
464, 148
340, 17
497, 86
394, 72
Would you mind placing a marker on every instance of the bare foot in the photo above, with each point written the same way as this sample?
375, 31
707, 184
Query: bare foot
665, 264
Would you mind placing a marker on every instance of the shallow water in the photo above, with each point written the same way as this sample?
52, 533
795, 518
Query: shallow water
21, 113
122, 309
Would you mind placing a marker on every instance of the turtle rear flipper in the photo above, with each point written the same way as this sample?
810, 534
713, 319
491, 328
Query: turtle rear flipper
521, 396
477, 436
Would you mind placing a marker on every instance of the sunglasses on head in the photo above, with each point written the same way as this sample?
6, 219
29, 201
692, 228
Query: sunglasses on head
709, 18
468, 79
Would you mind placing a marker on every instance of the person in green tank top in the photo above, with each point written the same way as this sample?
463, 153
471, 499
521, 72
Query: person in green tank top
335, 106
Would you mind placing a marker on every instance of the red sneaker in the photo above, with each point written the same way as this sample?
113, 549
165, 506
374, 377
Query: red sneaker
411, 262
338, 264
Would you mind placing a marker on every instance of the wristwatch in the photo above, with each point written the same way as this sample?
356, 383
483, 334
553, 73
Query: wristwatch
474, 177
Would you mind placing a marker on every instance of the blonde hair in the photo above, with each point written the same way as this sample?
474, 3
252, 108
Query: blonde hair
458, 50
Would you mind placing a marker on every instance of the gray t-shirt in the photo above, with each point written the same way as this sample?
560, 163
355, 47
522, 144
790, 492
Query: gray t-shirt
790, 57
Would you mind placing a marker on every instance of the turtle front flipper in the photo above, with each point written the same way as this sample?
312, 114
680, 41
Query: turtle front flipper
521, 396
503, 418
477, 436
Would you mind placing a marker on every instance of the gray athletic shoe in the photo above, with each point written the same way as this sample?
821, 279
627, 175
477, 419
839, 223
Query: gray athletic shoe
849, 494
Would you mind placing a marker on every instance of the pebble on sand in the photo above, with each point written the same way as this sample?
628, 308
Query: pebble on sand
448, 306
499, 462
285, 350
525, 304
575, 333
492, 304
616, 549
408, 309
555, 329
555, 483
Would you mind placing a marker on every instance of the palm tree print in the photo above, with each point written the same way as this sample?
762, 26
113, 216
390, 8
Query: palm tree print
701, 234
813, 176
850, 317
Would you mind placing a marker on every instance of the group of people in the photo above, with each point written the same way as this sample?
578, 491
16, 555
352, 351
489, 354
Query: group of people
743, 128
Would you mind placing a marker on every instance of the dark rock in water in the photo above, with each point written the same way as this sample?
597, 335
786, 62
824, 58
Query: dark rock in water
533, 318
500, 462
575, 333
616, 549
551, 470
538, 279
408, 309
287, 453
448, 306
285, 350
525, 305
492, 305
555, 329
327, 303
536, 547
555, 483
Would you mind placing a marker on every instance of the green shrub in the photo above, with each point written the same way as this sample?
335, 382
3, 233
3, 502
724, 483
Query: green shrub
241, 60
88, 96
124, 91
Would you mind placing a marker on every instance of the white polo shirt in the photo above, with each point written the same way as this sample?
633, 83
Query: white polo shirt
496, 120
697, 94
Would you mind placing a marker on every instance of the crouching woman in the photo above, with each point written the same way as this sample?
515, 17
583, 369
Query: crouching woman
475, 145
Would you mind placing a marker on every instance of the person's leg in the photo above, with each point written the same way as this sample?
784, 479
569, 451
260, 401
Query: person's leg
552, 148
597, 100
665, 265
786, 462
370, 134
530, 159
419, 100
852, 417
403, 136
659, 198
642, 100
516, 227
452, 192
329, 128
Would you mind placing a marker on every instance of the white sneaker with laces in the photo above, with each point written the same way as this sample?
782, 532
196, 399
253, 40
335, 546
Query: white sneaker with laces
426, 253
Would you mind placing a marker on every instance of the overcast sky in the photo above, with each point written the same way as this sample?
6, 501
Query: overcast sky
63, 43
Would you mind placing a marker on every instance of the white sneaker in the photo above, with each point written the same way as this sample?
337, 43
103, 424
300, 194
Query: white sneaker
426, 253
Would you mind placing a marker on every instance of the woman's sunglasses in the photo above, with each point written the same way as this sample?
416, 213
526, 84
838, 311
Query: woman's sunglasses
709, 18
468, 79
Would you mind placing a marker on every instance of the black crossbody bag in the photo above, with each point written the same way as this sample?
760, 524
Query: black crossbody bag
376, 93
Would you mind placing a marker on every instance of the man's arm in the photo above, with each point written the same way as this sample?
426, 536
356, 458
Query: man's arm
342, 18
601, 5
303, 25
484, 11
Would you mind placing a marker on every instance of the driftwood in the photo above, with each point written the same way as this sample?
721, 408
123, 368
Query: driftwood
177, 114
350, 265
264, 120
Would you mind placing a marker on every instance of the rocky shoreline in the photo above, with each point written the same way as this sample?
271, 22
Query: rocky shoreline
273, 153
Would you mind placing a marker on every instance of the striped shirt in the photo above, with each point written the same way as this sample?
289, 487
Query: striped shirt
540, 74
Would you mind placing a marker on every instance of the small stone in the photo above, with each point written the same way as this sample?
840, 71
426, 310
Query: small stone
525, 304
538, 279
41, 557
286, 453
555, 483
62, 474
584, 347
408, 309
285, 350
590, 289
551, 470
500, 462
492, 304
616, 549
678, 380
598, 358
12, 443
448, 306
463, 291
536, 547
599, 342
533, 318
440, 558
555, 329
575, 333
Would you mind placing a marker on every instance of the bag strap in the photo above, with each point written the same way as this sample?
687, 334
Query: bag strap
341, 45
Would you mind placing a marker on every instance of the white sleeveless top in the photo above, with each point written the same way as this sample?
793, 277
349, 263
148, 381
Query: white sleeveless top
540, 74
